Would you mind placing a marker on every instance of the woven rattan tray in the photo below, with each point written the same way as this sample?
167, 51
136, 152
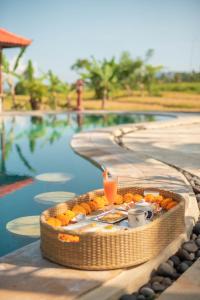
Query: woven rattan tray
112, 250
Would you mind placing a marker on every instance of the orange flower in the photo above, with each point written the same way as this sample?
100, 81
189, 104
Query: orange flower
137, 197
93, 205
86, 207
158, 199
171, 205
64, 219
68, 238
100, 202
128, 197
78, 209
165, 202
149, 198
70, 214
118, 199
54, 222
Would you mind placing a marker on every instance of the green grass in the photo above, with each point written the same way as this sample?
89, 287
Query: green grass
186, 87
167, 97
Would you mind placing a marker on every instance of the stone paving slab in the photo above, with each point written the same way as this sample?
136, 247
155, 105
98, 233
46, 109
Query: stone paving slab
187, 287
177, 145
25, 275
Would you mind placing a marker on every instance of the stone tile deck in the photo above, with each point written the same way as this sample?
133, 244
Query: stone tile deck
178, 145
25, 274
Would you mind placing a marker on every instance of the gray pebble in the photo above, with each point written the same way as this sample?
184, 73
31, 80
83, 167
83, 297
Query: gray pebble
196, 228
158, 287
198, 242
190, 246
188, 262
141, 297
193, 237
157, 278
176, 260
147, 292
148, 284
176, 275
184, 255
170, 262
182, 267
167, 281
198, 254
166, 270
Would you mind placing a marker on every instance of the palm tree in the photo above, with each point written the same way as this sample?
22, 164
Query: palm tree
12, 72
56, 86
129, 72
99, 75
149, 77
34, 85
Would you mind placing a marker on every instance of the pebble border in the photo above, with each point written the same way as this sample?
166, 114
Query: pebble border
169, 271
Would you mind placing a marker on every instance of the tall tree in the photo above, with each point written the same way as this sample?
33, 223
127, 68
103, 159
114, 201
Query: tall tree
34, 85
56, 86
99, 75
129, 71
12, 73
149, 77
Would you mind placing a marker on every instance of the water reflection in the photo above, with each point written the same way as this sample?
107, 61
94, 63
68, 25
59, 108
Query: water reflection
50, 129
41, 131
10, 182
41, 145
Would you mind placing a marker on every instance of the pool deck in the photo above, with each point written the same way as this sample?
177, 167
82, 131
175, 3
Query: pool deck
143, 155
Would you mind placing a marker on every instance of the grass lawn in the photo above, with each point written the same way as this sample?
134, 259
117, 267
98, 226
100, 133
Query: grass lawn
168, 101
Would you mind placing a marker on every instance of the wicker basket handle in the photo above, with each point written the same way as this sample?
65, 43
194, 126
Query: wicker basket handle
68, 238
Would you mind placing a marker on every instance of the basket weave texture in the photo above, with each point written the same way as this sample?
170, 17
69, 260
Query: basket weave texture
112, 250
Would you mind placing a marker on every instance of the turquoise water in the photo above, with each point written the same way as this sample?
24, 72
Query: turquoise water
31, 146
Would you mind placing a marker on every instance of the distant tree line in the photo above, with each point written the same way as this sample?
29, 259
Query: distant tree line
102, 76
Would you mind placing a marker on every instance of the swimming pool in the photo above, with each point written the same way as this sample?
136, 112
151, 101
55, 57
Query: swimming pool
36, 158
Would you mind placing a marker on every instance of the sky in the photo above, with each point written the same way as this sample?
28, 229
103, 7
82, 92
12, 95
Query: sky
65, 30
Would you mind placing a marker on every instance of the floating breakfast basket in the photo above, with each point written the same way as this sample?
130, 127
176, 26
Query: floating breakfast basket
111, 250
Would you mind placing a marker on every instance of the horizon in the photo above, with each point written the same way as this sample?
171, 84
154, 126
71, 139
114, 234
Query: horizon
87, 28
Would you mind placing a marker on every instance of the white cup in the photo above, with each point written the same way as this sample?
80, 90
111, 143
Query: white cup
145, 207
137, 217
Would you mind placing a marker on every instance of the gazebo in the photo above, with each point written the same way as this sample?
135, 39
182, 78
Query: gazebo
9, 40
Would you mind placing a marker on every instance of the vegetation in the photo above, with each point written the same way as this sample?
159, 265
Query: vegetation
131, 81
11, 72
101, 76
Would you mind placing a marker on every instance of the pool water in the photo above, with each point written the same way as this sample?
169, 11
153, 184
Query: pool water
36, 158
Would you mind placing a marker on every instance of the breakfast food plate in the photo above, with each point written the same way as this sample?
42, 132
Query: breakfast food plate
111, 217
